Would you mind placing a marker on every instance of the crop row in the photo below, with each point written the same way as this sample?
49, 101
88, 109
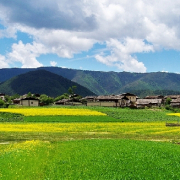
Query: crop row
104, 127
54, 112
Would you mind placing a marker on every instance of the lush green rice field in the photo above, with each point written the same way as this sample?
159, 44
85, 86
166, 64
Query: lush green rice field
124, 144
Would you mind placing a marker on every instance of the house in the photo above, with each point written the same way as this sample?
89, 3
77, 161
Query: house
2, 96
62, 102
107, 100
29, 101
131, 97
89, 98
128, 99
103, 100
154, 97
172, 97
142, 103
16, 101
121, 100
175, 103
32, 95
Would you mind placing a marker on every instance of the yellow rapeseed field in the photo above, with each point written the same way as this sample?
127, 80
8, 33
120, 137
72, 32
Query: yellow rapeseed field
174, 114
54, 112
112, 127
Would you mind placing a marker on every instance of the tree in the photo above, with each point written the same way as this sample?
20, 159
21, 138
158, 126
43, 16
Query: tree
168, 101
71, 89
45, 99
7, 99
64, 96
15, 96
29, 95
2, 103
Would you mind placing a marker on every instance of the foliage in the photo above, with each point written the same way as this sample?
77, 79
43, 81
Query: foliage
29, 95
15, 96
11, 117
71, 89
7, 99
45, 99
2, 103
64, 96
168, 101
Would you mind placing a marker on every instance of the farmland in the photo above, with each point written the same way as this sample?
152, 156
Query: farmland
103, 143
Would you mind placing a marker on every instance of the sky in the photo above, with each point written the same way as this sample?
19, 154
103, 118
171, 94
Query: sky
104, 35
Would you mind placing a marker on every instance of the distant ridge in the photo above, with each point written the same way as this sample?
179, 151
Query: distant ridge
41, 82
103, 83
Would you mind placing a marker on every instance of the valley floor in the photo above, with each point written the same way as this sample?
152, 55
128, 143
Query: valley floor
124, 144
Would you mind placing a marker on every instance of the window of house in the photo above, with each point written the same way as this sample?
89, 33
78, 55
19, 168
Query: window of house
31, 102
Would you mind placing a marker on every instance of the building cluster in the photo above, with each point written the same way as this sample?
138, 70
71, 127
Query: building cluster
131, 100
24, 100
121, 100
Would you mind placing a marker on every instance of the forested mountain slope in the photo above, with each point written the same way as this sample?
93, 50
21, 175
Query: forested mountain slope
41, 82
112, 82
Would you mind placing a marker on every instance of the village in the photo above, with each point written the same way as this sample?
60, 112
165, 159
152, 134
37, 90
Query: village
121, 100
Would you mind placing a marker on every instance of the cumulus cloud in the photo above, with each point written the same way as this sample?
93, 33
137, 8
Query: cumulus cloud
121, 54
3, 62
69, 27
64, 14
27, 54
53, 63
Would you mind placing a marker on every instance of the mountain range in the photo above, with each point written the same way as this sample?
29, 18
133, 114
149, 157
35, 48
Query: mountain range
98, 82
41, 82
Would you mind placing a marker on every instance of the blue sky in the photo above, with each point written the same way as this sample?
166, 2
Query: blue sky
104, 35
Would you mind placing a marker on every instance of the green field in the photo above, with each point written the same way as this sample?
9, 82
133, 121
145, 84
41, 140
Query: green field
125, 144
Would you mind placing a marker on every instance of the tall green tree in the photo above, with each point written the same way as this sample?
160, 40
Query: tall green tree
2, 103
29, 95
45, 99
71, 89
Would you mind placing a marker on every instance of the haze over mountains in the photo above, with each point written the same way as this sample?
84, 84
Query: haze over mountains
97, 82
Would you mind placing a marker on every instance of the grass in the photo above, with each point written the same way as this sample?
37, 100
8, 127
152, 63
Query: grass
125, 144
113, 115
90, 159
10, 117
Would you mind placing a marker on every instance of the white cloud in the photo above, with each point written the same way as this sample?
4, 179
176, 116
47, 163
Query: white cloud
27, 54
53, 63
70, 27
3, 63
121, 54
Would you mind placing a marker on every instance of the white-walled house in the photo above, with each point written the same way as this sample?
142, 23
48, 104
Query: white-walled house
29, 102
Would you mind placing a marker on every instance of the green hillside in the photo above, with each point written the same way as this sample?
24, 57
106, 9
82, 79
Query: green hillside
42, 82
99, 82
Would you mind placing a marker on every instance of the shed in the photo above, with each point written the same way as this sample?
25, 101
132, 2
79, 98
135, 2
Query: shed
175, 103
2, 96
142, 103
62, 102
29, 102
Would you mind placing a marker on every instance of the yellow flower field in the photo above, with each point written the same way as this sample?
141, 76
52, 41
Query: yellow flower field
123, 128
174, 114
54, 112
